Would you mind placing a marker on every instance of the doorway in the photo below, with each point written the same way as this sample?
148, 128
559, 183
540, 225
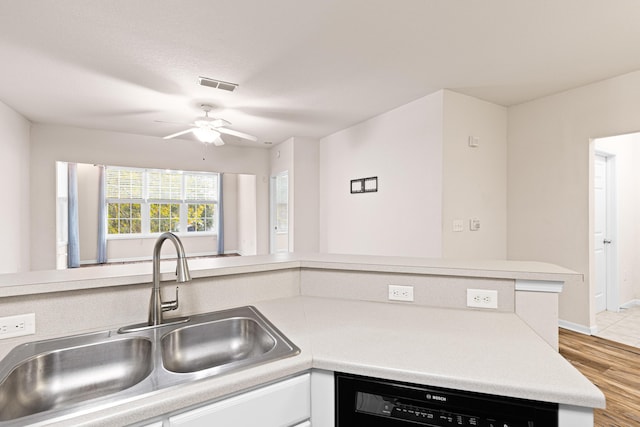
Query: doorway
616, 232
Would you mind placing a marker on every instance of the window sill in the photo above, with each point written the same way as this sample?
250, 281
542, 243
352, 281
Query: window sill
155, 236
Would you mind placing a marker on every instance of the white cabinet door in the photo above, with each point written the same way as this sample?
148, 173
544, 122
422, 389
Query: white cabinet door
286, 403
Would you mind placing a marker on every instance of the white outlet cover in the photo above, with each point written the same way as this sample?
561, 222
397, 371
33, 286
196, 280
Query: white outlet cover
16, 326
482, 298
400, 293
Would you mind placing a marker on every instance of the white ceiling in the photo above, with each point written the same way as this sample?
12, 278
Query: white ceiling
305, 68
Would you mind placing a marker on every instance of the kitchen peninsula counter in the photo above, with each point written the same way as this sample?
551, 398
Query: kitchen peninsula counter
335, 309
92, 277
487, 352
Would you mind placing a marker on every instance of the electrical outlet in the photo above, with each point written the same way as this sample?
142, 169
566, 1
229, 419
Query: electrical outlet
483, 298
400, 293
15, 326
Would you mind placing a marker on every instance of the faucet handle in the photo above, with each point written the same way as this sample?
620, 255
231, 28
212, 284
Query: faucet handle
170, 305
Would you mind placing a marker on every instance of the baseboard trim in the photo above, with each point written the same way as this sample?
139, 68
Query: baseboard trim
631, 303
575, 327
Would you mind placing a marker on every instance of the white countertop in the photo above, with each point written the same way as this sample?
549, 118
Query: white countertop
482, 351
45, 281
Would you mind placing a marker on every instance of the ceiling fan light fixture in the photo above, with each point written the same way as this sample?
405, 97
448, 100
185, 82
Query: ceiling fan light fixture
206, 135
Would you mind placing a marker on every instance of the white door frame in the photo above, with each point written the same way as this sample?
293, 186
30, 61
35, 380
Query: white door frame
612, 290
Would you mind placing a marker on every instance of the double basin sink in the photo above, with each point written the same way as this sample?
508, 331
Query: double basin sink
42, 379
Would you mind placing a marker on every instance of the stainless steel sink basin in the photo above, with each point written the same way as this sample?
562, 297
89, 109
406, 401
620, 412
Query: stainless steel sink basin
211, 344
54, 379
61, 377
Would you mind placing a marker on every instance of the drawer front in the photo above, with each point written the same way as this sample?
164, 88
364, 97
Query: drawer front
286, 403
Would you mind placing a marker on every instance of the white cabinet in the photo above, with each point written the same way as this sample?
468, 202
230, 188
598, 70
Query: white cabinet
287, 403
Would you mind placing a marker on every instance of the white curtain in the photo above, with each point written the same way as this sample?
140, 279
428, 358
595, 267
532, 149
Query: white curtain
73, 248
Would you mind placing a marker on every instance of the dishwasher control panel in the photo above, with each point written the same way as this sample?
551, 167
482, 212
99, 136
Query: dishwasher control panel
375, 404
383, 403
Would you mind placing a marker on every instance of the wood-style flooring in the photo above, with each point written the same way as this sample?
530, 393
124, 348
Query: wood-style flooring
614, 368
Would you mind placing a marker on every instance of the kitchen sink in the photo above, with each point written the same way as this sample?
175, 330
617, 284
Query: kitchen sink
46, 379
60, 377
215, 344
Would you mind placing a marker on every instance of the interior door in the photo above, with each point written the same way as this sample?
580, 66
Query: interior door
279, 212
600, 237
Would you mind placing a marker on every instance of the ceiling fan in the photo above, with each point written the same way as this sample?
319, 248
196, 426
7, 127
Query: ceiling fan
208, 129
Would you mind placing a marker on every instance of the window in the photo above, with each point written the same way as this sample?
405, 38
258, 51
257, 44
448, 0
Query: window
147, 202
200, 217
124, 201
124, 218
164, 217
124, 184
199, 191
282, 203
164, 185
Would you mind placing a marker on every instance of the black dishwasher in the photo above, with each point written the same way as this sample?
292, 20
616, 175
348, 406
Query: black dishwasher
371, 402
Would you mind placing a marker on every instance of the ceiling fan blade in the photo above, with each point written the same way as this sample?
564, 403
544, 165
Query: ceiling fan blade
171, 123
218, 142
211, 122
182, 132
238, 134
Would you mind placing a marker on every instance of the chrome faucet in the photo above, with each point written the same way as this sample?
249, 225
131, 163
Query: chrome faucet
157, 306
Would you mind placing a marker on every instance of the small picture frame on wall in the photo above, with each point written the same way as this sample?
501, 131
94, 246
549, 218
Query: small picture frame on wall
364, 185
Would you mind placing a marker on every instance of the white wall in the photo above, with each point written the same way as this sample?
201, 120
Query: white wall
626, 149
247, 212
88, 204
403, 148
230, 203
306, 187
51, 143
549, 196
300, 157
474, 179
14, 174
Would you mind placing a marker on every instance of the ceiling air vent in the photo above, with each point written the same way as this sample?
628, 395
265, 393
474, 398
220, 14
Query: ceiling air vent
217, 84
